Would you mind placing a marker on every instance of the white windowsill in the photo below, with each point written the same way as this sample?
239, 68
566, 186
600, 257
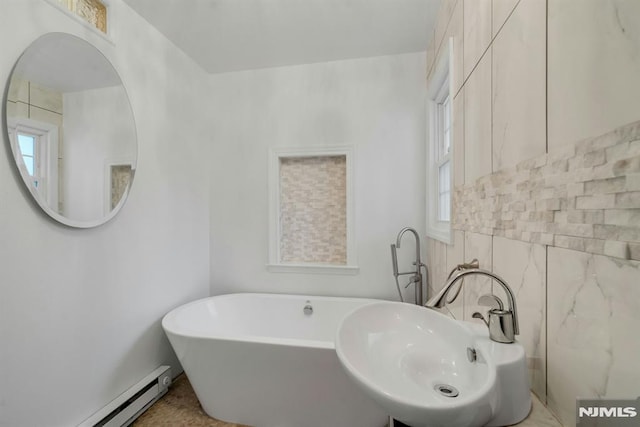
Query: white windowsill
314, 269
443, 235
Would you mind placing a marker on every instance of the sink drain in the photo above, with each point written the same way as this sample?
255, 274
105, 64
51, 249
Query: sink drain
447, 390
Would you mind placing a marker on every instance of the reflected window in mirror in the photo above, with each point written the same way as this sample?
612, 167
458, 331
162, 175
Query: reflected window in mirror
35, 145
27, 145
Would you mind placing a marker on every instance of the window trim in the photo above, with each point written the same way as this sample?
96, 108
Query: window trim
441, 78
274, 263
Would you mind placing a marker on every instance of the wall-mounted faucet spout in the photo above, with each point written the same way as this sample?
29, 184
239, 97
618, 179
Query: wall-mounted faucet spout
416, 277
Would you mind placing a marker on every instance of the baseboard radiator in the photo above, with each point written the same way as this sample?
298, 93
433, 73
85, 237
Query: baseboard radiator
124, 409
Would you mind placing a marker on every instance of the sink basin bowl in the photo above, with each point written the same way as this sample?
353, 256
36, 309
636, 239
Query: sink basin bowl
429, 370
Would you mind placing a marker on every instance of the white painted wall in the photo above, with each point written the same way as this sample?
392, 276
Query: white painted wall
80, 310
375, 105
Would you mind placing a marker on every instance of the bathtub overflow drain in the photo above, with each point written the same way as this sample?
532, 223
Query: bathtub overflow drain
447, 390
308, 309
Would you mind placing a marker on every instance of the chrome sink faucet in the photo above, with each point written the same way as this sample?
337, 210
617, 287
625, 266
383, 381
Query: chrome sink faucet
503, 324
416, 277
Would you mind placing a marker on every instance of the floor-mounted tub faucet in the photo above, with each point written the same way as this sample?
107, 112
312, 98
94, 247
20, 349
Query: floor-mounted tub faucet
503, 324
416, 277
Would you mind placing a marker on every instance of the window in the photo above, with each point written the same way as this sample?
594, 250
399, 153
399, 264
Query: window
439, 135
311, 212
92, 13
35, 147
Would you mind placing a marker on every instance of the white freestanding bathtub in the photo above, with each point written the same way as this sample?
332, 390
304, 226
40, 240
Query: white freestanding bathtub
269, 360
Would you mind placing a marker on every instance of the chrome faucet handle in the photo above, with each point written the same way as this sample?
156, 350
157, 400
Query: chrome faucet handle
478, 315
491, 301
411, 282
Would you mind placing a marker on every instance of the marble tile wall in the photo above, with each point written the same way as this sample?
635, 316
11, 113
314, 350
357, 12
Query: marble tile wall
593, 44
523, 266
593, 322
518, 86
546, 123
477, 121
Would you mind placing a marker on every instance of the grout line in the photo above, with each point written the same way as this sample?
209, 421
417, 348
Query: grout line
493, 37
491, 107
546, 77
546, 247
505, 21
546, 324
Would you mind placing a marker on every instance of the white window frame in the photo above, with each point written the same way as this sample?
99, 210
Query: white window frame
274, 263
440, 87
47, 158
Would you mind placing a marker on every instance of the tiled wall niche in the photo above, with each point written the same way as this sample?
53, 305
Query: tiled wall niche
311, 214
546, 167
313, 210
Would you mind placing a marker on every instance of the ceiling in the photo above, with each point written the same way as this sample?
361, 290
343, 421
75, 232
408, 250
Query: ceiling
234, 35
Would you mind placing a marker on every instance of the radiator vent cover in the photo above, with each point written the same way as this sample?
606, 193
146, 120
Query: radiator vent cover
124, 409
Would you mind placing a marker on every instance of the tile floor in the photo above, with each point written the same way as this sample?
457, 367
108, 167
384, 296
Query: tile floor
180, 408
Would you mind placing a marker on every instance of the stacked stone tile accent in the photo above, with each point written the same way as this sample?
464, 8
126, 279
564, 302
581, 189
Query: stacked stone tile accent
313, 210
92, 11
584, 197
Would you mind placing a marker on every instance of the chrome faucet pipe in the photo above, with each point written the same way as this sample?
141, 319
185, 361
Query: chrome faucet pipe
417, 278
417, 237
440, 299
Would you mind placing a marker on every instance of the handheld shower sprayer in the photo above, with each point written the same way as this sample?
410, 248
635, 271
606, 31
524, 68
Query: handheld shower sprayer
394, 265
394, 259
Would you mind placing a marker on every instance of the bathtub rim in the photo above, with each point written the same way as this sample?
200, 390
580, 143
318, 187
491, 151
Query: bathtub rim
290, 342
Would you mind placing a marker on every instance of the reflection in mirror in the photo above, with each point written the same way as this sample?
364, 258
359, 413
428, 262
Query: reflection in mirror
71, 130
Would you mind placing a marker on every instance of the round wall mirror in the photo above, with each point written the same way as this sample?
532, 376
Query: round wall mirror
71, 130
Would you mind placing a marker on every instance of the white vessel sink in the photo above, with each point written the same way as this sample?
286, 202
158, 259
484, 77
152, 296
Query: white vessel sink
419, 366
